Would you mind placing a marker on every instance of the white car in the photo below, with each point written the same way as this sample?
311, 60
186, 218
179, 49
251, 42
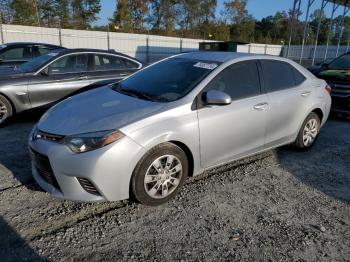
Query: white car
141, 138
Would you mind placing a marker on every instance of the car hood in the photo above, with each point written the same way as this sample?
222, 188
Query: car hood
96, 110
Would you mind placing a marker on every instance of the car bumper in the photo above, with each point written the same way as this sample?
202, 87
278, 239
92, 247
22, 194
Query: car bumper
100, 175
341, 104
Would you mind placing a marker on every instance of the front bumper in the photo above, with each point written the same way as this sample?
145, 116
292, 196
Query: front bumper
341, 104
108, 169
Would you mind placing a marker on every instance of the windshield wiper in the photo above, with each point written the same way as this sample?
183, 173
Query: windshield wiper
135, 93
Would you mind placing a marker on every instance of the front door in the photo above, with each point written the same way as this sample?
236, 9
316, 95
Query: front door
63, 77
236, 130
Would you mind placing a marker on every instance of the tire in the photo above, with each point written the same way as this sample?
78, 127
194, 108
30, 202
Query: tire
5, 110
308, 132
154, 182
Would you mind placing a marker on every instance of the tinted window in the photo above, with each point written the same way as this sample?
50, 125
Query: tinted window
38, 62
168, 80
107, 62
70, 64
278, 75
299, 78
130, 64
342, 62
239, 80
17, 53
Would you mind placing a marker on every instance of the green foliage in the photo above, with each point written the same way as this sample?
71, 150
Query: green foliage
182, 18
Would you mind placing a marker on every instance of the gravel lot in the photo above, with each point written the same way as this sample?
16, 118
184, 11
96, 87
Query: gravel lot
281, 205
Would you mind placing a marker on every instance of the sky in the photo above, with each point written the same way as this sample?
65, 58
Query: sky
257, 8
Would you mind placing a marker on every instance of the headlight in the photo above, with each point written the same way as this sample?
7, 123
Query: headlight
91, 141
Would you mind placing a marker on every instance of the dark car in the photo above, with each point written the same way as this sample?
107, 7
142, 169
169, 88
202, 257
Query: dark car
14, 54
337, 74
58, 74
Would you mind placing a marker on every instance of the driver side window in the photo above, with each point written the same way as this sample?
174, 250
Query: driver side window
239, 80
69, 64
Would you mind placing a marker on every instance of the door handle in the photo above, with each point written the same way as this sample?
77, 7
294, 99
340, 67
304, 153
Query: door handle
82, 77
305, 94
261, 106
124, 74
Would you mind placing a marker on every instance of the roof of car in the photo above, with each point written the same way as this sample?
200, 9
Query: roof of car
214, 56
78, 50
30, 43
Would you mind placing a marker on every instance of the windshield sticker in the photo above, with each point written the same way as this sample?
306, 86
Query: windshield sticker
52, 54
206, 65
2, 46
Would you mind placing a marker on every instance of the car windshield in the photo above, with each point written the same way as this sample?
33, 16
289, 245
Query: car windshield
342, 62
168, 80
36, 63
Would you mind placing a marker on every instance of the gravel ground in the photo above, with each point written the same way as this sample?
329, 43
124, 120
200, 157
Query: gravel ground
281, 205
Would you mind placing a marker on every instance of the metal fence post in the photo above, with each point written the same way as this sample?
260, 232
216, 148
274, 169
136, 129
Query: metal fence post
2, 34
60, 36
323, 5
147, 49
249, 48
292, 23
335, 7
265, 51
181, 45
309, 4
108, 41
346, 10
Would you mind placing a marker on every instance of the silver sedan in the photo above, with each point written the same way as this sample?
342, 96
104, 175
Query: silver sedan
141, 138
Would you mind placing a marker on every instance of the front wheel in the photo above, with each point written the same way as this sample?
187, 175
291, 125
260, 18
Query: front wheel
159, 175
308, 132
5, 109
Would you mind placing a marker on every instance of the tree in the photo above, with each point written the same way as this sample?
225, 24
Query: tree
25, 12
122, 17
130, 16
6, 13
84, 12
235, 11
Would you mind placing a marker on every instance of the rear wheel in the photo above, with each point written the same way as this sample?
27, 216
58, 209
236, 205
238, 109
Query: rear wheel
308, 132
5, 109
159, 175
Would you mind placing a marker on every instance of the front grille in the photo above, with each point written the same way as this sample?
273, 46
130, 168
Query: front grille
43, 167
88, 186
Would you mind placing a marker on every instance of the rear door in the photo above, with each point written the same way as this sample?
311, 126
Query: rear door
107, 68
288, 100
236, 130
64, 76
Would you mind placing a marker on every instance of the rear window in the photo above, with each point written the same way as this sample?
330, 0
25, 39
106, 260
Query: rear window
278, 75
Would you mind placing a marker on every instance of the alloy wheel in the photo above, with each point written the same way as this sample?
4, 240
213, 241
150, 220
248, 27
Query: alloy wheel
163, 176
3, 112
310, 132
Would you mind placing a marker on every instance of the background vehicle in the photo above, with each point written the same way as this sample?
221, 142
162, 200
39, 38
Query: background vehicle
142, 137
58, 74
337, 75
15, 54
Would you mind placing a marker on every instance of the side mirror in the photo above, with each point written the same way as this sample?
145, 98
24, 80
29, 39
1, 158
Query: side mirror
216, 97
45, 71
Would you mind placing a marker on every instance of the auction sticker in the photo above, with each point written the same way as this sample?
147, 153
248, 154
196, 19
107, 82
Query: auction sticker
205, 65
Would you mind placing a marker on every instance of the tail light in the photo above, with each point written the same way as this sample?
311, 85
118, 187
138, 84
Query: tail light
328, 89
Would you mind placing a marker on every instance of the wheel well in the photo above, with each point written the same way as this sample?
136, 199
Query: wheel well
318, 112
11, 103
188, 155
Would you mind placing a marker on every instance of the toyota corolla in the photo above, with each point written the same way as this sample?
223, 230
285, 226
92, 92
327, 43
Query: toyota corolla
141, 138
